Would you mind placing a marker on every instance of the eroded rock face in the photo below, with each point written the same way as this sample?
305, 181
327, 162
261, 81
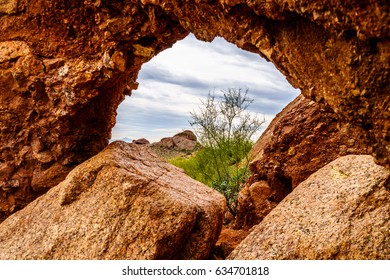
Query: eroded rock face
66, 65
301, 139
340, 212
124, 203
182, 141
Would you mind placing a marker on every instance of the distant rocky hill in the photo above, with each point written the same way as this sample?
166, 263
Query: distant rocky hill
181, 144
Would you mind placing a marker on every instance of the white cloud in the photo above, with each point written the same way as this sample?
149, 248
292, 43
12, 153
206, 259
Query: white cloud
172, 84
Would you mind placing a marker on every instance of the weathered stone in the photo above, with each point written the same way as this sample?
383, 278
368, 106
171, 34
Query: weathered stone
301, 139
336, 52
188, 134
9, 6
183, 143
141, 141
185, 140
340, 212
124, 203
166, 142
13, 49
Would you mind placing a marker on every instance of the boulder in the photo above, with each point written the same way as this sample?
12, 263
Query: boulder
182, 141
141, 141
340, 212
185, 141
187, 134
165, 142
124, 203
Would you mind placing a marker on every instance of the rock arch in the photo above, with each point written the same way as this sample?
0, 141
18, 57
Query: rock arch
66, 65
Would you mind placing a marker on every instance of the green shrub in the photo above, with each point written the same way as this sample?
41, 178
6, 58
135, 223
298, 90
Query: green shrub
191, 168
224, 129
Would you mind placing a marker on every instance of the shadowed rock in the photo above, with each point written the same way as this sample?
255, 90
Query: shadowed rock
124, 203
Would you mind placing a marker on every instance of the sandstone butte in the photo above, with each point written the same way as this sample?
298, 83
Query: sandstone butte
66, 65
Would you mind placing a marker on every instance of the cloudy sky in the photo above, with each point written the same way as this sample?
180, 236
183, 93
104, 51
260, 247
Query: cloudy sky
174, 82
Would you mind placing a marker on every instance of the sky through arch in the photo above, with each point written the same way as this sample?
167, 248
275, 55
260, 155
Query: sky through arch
173, 83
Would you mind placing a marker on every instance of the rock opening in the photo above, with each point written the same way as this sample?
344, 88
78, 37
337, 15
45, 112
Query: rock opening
172, 84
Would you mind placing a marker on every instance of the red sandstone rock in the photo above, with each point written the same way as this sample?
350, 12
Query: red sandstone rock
185, 141
124, 203
182, 143
66, 65
187, 134
166, 142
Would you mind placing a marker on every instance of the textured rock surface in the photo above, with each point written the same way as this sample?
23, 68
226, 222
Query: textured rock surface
66, 65
302, 138
9, 6
340, 212
185, 140
124, 203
